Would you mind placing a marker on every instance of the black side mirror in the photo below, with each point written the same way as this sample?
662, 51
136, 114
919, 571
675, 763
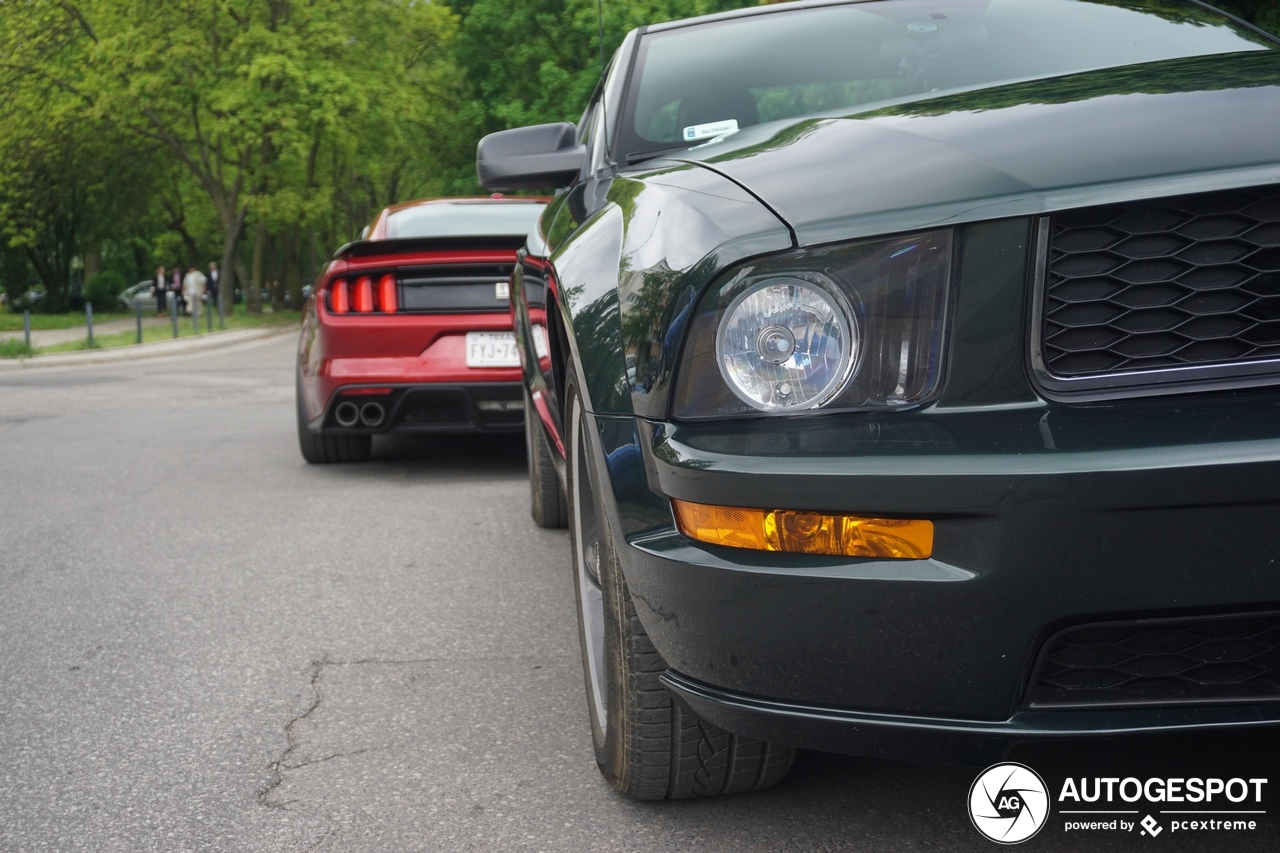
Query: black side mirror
544, 156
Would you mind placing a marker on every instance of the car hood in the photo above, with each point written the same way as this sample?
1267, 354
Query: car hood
1019, 149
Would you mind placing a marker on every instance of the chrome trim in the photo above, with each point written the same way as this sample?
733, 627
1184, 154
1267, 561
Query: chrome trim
1144, 383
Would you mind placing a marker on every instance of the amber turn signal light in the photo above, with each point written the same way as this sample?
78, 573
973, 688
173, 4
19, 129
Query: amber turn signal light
805, 532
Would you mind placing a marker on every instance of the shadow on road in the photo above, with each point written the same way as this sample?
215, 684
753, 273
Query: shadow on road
500, 454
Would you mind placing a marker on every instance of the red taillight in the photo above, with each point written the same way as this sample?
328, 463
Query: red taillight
362, 298
339, 297
387, 294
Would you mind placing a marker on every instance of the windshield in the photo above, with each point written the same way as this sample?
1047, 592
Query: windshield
697, 83
464, 219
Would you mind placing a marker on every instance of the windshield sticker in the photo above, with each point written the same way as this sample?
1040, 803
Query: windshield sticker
706, 131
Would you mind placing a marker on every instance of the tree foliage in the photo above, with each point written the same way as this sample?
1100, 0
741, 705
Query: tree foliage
265, 133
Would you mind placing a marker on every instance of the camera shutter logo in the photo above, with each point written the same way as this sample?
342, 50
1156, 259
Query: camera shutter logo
1008, 803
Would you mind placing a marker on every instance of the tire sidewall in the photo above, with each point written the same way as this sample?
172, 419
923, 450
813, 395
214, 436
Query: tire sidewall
531, 453
608, 742
306, 438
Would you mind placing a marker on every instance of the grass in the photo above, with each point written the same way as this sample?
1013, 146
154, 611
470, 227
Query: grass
15, 349
237, 319
10, 322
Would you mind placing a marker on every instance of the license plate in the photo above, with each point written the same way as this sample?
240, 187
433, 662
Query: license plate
492, 349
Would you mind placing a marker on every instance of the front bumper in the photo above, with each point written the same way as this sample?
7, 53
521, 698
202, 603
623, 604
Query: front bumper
1044, 517
941, 740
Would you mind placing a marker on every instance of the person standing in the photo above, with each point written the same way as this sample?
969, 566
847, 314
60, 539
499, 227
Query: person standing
160, 289
176, 287
213, 284
193, 288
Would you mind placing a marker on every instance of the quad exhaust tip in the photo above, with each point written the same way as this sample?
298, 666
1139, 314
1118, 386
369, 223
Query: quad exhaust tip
346, 414
372, 414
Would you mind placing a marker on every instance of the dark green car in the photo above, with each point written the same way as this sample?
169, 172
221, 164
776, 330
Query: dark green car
908, 376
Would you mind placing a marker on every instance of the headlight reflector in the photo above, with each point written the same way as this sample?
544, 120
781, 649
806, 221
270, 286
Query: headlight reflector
851, 327
786, 343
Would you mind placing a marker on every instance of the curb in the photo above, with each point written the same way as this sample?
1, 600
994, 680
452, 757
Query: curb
134, 352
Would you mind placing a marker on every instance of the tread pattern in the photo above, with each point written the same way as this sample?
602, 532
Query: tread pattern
662, 749
673, 753
548, 503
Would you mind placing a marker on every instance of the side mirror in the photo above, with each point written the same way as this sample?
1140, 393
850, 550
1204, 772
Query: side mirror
544, 156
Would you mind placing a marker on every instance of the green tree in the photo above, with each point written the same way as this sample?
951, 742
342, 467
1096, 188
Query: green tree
538, 61
67, 186
245, 96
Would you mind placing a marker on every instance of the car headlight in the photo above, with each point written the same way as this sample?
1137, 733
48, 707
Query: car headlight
787, 343
852, 327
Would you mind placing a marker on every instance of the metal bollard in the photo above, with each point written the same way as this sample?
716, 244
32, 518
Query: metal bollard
88, 316
208, 313
26, 326
195, 316
137, 307
174, 309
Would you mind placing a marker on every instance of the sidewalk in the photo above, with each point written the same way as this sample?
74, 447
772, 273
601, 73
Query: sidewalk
53, 337
178, 346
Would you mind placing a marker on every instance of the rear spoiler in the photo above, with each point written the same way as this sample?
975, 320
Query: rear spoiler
364, 248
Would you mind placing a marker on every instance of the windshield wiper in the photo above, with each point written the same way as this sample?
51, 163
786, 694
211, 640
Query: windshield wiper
640, 156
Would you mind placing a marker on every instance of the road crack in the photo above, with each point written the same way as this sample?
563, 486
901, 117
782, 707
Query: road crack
269, 795
281, 764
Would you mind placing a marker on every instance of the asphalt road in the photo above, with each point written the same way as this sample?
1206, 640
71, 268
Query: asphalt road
206, 644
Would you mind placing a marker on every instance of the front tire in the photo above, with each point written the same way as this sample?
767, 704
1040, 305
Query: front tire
319, 448
649, 744
547, 502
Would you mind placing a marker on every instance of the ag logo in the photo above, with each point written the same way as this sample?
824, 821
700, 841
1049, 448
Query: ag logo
1008, 803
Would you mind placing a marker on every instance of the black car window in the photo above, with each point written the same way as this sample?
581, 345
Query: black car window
695, 83
463, 219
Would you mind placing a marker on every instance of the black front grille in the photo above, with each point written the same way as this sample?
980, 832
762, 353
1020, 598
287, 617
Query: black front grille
1174, 283
1186, 661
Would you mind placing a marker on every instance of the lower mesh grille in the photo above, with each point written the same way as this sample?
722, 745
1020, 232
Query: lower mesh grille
1186, 661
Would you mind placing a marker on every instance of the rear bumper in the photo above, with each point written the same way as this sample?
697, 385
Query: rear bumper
425, 354
432, 407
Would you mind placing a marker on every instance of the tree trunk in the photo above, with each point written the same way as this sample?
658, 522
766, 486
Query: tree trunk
92, 265
312, 259
242, 275
253, 297
275, 246
53, 276
227, 273
292, 277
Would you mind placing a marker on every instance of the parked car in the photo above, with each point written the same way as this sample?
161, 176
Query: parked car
409, 328
910, 372
306, 294
140, 293
30, 297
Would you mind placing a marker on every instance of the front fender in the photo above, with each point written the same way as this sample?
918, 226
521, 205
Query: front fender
631, 272
586, 268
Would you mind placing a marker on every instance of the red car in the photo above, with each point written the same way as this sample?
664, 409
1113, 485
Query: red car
409, 329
